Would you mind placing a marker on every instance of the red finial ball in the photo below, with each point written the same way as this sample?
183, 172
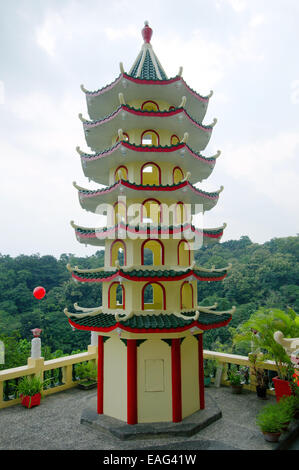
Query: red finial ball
39, 292
147, 32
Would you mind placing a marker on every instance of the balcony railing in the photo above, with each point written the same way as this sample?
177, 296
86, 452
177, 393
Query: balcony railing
61, 371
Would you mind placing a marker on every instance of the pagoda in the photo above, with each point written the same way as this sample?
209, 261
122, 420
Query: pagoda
146, 135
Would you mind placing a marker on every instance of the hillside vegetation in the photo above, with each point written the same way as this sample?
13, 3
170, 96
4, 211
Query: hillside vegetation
263, 275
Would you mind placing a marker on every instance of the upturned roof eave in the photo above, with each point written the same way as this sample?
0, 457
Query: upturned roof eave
96, 166
98, 237
183, 192
187, 326
99, 134
172, 89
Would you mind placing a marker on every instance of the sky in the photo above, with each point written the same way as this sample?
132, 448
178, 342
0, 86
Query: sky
246, 51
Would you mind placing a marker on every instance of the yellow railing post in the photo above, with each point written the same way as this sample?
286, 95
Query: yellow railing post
37, 365
67, 374
1, 394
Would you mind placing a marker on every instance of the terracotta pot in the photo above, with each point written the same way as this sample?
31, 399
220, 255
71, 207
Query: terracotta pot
285, 426
271, 436
30, 401
261, 392
237, 389
282, 388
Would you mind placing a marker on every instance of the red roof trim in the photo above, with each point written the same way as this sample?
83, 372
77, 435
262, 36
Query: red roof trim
149, 279
148, 231
151, 82
151, 330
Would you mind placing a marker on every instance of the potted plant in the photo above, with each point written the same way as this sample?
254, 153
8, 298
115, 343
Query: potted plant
209, 369
287, 405
29, 389
258, 333
259, 373
271, 422
282, 382
236, 379
87, 373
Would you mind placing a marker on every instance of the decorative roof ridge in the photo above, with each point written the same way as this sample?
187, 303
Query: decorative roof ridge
185, 314
147, 187
158, 148
151, 228
127, 269
168, 81
103, 89
141, 112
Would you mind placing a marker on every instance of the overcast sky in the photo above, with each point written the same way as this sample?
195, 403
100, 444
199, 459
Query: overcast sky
244, 50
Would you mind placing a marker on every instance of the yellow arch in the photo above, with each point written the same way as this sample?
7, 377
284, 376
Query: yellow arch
157, 251
186, 296
183, 253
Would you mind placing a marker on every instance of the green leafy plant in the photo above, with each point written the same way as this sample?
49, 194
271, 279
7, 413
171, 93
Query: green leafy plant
258, 333
209, 367
29, 386
271, 419
256, 360
288, 406
87, 372
235, 376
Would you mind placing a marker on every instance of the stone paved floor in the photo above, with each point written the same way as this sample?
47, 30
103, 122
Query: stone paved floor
55, 424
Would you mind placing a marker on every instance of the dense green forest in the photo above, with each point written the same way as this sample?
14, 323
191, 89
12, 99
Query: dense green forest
263, 275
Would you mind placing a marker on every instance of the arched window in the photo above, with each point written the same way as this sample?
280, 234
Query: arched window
153, 296
171, 108
116, 296
151, 211
177, 175
186, 296
150, 174
118, 252
184, 256
121, 173
174, 139
150, 137
152, 253
150, 106
181, 213
120, 212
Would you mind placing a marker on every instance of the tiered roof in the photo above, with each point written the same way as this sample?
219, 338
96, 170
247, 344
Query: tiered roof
96, 166
98, 236
110, 115
184, 192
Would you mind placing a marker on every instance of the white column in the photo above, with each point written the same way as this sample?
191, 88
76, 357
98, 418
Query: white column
36, 348
93, 338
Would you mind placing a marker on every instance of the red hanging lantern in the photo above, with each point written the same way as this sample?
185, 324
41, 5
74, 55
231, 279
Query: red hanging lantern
39, 292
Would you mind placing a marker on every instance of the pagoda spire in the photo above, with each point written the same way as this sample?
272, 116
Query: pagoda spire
147, 65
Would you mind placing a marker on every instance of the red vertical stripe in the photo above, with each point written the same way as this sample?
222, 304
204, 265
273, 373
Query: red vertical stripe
131, 381
176, 380
201, 373
100, 375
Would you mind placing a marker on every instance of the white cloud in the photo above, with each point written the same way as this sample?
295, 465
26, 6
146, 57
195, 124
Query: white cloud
113, 34
47, 34
256, 21
269, 165
207, 61
236, 5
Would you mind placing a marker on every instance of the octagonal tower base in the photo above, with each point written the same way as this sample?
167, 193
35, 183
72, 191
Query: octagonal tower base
155, 378
123, 431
